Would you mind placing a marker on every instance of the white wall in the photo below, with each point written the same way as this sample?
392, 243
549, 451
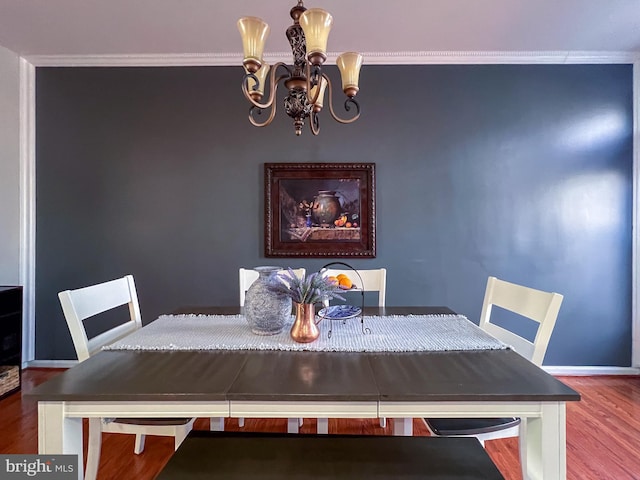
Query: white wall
9, 167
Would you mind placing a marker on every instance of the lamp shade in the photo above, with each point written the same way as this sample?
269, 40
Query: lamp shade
349, 64
261, 74
262, 78
319, 103
254, 32
316, 24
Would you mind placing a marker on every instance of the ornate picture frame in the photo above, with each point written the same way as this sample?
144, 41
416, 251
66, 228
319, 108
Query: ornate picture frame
320, 210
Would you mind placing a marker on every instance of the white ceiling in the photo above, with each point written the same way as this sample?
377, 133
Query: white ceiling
208, 27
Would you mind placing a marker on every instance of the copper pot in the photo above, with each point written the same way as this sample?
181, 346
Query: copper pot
305, 329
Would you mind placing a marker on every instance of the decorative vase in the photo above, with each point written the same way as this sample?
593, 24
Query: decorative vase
326, 207
305, 329
266, 311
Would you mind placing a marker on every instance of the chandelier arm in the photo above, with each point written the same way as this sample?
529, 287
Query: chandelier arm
252, 112
314, 123
272, 85
317, 76
257, 109
346, 105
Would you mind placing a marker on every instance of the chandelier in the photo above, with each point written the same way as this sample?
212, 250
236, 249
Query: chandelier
304, 80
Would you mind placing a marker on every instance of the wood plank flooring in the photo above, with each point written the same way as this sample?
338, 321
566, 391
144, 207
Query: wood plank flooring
603, 433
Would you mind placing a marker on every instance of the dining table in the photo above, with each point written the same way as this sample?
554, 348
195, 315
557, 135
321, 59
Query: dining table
243, 380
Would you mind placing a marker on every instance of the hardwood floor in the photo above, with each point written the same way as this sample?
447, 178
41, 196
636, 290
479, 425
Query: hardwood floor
603, 433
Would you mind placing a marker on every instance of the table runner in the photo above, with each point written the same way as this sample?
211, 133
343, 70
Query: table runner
392, 333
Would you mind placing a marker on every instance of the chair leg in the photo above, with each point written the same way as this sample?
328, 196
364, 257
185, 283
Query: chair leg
139, 447
292, 425
93, 448
403, 427
181, 434
426, 424
216, 424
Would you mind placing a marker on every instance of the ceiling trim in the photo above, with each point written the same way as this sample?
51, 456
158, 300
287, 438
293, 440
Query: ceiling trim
371, 58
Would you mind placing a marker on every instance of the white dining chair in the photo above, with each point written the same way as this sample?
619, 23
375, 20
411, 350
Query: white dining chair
246, 277
537, 305
372, 280
82, 305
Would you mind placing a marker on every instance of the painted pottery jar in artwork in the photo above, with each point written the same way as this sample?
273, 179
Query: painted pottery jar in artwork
266, 311
326, 207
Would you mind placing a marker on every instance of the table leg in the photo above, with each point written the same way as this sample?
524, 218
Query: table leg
323, 426
543, 444
403, 427
58, 434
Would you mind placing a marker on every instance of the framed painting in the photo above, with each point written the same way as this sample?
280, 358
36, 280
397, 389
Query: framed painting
320, 210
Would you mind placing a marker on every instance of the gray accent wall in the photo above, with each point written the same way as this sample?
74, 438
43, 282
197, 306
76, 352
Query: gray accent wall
519, 171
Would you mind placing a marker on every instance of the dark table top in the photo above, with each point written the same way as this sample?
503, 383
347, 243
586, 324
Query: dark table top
491, 375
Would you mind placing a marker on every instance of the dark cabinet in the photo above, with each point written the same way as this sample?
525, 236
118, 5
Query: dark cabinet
10, 339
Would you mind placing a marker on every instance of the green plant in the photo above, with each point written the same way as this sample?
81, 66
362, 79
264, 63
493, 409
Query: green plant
312, 288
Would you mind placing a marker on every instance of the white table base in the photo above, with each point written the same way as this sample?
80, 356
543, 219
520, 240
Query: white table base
543, 429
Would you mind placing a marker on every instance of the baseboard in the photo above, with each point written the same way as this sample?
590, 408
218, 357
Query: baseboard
578, 371
50, 364
553, 370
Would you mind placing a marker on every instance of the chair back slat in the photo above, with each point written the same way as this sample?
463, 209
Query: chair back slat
537, 305
83, 303
521, 345
526, 301
112, 335
90, 301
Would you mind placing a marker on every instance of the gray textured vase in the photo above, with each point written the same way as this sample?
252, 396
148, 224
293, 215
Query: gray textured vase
266, 311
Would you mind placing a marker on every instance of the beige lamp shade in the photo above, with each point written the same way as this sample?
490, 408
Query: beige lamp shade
261, 74
319, 103
254, 32
316, 24
349, 64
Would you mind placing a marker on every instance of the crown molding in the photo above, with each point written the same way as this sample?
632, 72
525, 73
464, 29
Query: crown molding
371, 58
